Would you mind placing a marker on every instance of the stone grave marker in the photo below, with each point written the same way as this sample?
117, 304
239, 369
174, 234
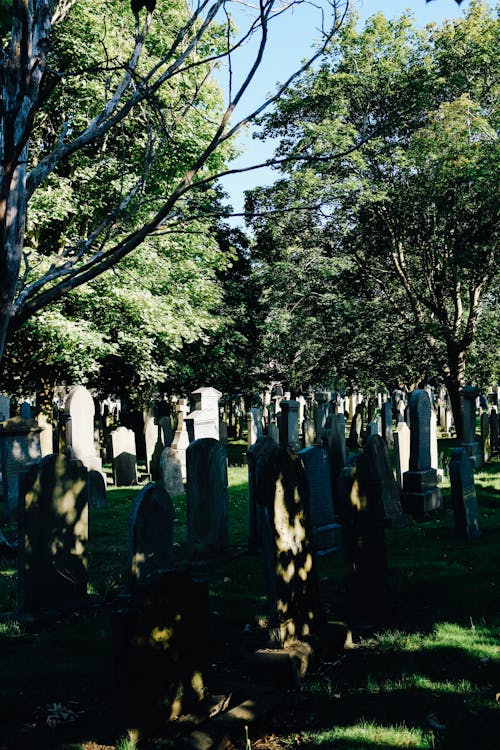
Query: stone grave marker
485, 437
79, 410
380, 483
46, 434
387, 424
402, 451
4, 407
25, 410
19, 449
274, 432
289, 425
207, 504
356, 428
308, 433
151, 529
255, 456
292, 580
494, 432
153, 437
463, 496
167, 434
337, 452
181, 437
53, 534
124, 457
326, 533
171, 472
322, 411
420, 491
469, 395
203, 421
254, 426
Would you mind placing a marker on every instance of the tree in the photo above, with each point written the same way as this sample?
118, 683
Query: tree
401, 127
120, 91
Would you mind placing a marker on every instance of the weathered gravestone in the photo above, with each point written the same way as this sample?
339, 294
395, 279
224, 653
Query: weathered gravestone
203, 421
494, 432
79, 410
207, 506
53, 534
308, 433
292, 580
402, 451
485, 437
171, 472
363, 528
167, 433
326, 533
25, 410
322, 410
289, 424
387, 424
469, 395
46, 434
463, 496
160, 651
337, 452
19, 449
420, 491
4, 407
124, 457
153, 437
356, 429
255, 455
181, 437
151, 529
254, 426
381, 484
274, 432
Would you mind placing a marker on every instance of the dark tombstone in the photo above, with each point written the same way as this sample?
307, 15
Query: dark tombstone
387, 424
485, 437
469, 395
292, 580
167, 432
25, 410
337, 451
326, 533
356, 428
289, 424
53, 534
207, 506
494, 432
4, 407
19, 449
255, 455
124, 457
160, 651
420, 491
153, 437
463, 496
151, 529
363, 527
96, 487
381, 483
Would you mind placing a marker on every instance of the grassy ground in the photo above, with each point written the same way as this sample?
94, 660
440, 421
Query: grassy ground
427, 676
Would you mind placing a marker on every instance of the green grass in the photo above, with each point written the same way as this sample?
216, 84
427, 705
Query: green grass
425, 677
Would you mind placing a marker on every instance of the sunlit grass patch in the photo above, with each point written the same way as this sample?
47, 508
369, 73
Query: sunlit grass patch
421, 682
10, 628
369, 735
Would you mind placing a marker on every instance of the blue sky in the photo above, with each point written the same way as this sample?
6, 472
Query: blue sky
289, 42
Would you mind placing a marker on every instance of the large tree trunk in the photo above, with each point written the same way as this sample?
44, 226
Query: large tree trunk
454, 378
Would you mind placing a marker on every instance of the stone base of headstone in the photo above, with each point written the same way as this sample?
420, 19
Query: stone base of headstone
327, 539
420, 492
475, 454
160, 651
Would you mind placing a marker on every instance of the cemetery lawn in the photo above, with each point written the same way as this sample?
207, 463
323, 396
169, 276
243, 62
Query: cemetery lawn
426, 676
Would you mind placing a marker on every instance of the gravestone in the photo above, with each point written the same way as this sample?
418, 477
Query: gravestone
322, 409
289, 424
356, 428
292, 579
223, 432
363, 531
124, 457
254, 426
463, 496
25, 410
79, 410
485, 437
207, 505
433, 440
326, 533
420, 491
19, 449
469, 395
167, 434
494, 432
46, 434
387, 424
171, 472
381, 485
160, 651
274, 432
203, 421
337, 451
255, 456
53, 534
153, 437
402, 451
4, 407
308, 433
151, 529
96, 489
181, 437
